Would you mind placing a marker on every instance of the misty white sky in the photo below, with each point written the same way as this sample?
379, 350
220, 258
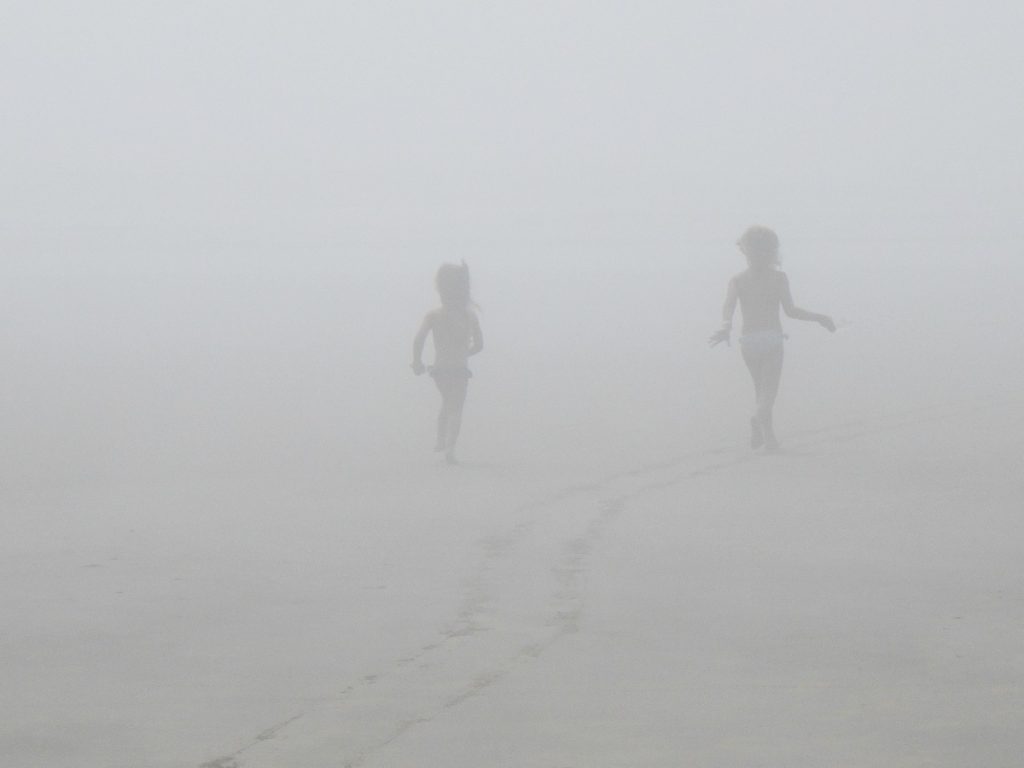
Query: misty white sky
533, 119
220, 220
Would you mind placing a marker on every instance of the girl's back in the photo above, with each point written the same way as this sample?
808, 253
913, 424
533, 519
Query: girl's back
457, 336
454, 330
761, 293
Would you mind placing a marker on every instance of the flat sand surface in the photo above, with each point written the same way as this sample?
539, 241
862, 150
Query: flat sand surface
855, 600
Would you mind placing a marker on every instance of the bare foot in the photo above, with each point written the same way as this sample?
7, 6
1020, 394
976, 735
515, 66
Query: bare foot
756, 433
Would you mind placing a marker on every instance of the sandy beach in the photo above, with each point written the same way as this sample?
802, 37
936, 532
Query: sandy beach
854, 600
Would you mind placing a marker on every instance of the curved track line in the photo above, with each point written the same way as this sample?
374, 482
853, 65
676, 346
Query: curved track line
565, 605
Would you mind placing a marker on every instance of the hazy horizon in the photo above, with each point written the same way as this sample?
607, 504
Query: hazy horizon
220, 227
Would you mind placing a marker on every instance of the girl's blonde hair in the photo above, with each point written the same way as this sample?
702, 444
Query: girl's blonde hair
760, 244
453, 285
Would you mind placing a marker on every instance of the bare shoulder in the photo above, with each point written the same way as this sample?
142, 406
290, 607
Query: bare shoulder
782, 287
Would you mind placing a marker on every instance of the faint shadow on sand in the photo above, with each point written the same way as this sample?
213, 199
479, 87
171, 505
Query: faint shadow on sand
479, 466
784, 451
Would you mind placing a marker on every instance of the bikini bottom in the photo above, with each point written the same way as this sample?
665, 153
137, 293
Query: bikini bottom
762, 343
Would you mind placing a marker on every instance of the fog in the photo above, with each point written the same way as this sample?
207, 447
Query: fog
227, 541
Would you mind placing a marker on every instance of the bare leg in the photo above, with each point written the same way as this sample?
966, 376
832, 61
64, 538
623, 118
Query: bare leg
449, 421
442, 427
442, 416
754, 365
765, 370
456, 401
756, 433
771, 373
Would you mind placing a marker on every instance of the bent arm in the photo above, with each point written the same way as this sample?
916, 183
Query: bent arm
476, 341
798, 313
418, 343
728, 310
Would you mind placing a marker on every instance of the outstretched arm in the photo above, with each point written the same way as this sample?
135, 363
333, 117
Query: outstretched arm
476, 341
728, 310
417, 345
792, 310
